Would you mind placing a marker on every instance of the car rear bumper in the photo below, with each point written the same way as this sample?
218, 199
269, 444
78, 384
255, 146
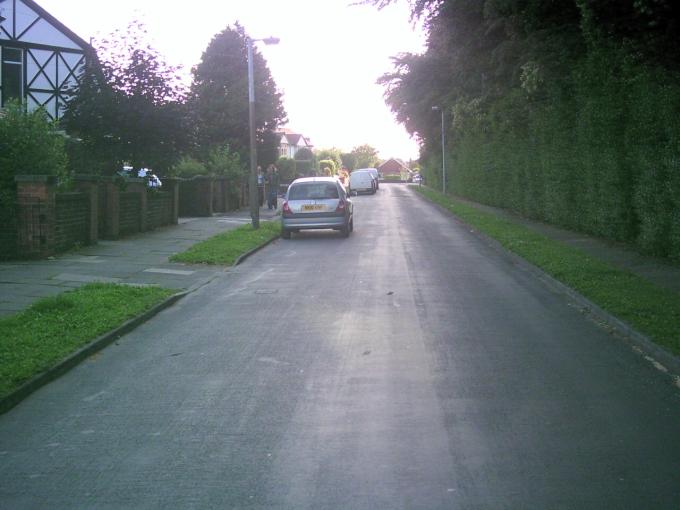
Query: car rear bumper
301, 222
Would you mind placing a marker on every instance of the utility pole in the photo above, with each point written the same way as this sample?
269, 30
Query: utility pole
253, 198
441, 110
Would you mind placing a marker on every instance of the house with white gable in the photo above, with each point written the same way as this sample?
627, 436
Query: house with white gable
291, 142
40, 58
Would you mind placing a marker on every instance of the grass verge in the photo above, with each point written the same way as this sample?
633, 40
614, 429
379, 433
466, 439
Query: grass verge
38, 338
225, 248
649, 309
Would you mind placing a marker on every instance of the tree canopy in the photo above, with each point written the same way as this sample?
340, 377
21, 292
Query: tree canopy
219, 96
365, 156
564, 111
129, 107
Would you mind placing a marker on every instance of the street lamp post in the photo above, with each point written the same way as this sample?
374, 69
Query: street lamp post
437, 108
254, 201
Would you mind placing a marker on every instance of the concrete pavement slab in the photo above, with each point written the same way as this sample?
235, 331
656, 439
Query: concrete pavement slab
140, 259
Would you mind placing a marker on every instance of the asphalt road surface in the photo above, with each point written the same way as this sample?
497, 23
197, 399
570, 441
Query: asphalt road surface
409, 366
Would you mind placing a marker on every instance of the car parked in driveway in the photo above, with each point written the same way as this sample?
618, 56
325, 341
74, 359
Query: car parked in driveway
361, 181
316, 203
152, 180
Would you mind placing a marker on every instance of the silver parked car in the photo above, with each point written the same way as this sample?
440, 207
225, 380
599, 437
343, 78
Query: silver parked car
316, 203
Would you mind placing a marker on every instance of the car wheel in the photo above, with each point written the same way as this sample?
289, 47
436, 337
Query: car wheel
351, 225
285, 233
345, 231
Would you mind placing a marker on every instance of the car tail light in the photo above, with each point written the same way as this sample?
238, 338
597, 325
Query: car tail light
286, 209
341, 206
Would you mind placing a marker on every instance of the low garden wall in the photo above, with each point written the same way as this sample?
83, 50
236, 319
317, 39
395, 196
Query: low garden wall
72, 220
8, 232
48, 221
203, 196
45, 221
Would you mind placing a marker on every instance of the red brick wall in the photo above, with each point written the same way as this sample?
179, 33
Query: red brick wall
72, 224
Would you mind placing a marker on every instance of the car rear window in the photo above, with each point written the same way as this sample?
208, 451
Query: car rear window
313, 191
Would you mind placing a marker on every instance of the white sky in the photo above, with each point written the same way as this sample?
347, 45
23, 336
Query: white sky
326, 65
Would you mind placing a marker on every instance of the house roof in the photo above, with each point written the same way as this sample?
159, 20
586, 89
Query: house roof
293, 138
398, 162
59, 25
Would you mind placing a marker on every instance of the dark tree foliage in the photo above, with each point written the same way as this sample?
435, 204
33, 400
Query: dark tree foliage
349, 160
304, 154
563, 110
129, 108
219, 97
650, 27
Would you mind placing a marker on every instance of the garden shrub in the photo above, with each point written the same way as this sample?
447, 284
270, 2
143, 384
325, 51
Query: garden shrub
189, 167
327, 165
223, 162
30, 144
286, 168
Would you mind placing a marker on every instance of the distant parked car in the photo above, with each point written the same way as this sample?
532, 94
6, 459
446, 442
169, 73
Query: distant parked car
152, 180
417, 179
361, 181
316, 203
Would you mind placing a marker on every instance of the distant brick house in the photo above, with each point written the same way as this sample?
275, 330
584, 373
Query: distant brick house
291, 142
396, 167
40, 58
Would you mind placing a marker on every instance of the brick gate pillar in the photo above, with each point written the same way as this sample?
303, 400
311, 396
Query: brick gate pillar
112, 209
173, 188
90, 186
36, 215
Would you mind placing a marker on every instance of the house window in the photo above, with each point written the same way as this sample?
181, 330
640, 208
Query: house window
12, 74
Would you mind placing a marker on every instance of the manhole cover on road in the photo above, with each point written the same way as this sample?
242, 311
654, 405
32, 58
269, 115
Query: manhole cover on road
265, 291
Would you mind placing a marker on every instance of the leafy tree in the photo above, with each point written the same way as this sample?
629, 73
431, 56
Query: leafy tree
268, 150
349, 160
127, 108
287, 169
305, 162
29, 144
222, 161
304, 154
189, 167
366, 156
555, 109
328, 166
219, 96
331, 154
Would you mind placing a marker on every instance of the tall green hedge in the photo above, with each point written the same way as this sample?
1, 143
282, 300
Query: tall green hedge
598, 152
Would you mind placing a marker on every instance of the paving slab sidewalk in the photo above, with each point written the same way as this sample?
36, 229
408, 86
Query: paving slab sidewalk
658, 271
140, 259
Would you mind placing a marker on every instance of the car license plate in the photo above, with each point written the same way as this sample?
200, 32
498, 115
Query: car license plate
313, 207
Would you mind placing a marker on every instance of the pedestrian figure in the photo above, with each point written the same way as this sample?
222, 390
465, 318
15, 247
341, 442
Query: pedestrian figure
273, 181
260, 185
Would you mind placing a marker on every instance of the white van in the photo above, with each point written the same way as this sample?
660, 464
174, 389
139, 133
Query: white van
361, 181
376, 176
